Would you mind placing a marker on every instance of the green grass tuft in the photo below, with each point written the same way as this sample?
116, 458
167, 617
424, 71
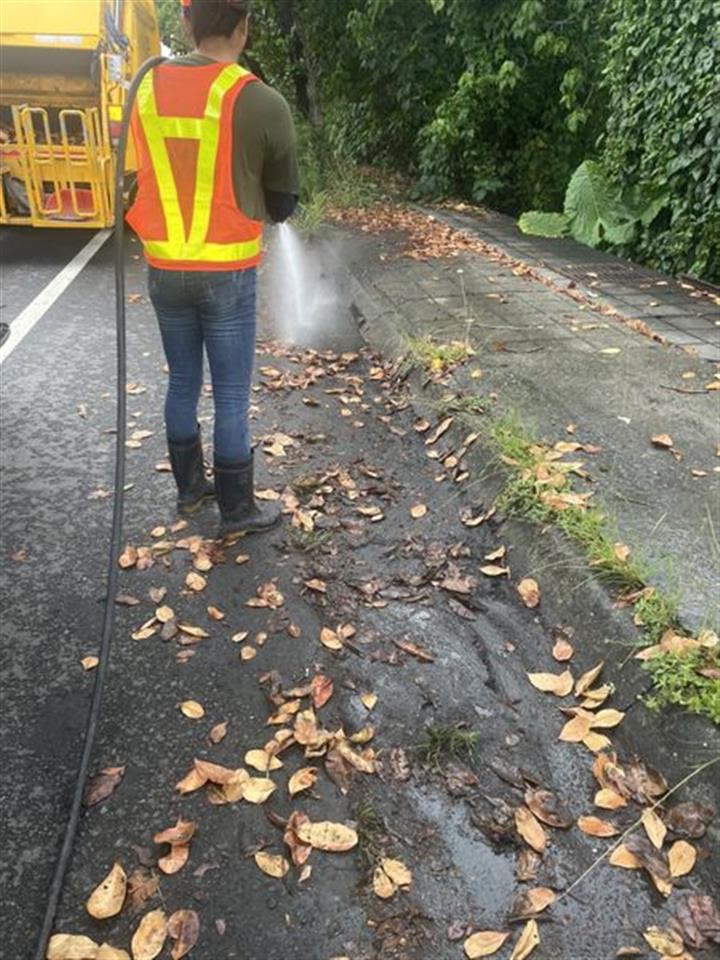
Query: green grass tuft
371, 833
454, 741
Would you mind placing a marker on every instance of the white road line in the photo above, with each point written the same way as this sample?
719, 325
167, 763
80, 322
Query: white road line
37, 308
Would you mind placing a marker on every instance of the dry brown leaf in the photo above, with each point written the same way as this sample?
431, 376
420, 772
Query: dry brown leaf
189, 630
106, 952
129, 557
397, 871
319, 586
242, 558
192, 709
588, 678
273, 865
218, 732
596, 827
529, 592
247, 652
102, 785
330, 639
528, 940
195, 582
69, 946
575, 730
383, 886
326, 835
596, 742
183, 927
622, 857
681, 858
531, 902
215, 614
484, 943
418, 510
606, 719
608, 799
108, 897
89, 663
321, 688
214, 772
303, 779
368, 700
559, 684
663, 440
414, 650
165, 614
530, 829
257, 789
149, 938
262, 760
562, 650
654, 828
689, 819
548, 808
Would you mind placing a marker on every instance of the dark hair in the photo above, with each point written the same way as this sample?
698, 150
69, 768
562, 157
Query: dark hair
216, 18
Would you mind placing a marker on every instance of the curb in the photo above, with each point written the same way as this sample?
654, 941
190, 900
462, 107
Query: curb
570, 594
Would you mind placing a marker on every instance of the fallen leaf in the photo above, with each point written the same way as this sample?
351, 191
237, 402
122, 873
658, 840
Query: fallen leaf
242, 558
397, 871
218, 732
142, 886
149, 938
195, 581
668, 943
529, 592
530, 829
689, 819
493, 570
330, 639
532, 901
607, 719
588, 678
165, 614
321, 690
183, 927
562, 650
559, 684
192, 709
129, 557
414, 650
663, 440
215, 614
654, 828
418, 510
528, 940
89, 663
575, 730
257, 789
622, 857
368, 700
108, 897
383, 886
697, 919
100, 786
106, 952
609, 800
68, 946
484, 943
548, 808
247, 652
262, 760
681, 858
303, 779
329, 836
273, 865
596, 827
621, 552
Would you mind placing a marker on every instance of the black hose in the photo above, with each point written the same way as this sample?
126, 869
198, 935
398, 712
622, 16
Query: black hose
115, 540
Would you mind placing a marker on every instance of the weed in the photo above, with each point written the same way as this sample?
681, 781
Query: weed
454, 741
371, 833
655, 612
432, 357
467, 407
307, 540
678, 680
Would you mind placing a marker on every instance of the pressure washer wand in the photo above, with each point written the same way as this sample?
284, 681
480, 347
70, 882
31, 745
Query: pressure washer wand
116, 536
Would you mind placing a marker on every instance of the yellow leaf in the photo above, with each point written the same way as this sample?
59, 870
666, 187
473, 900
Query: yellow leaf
397, 871
215, 614
575, 730
665, 942
325, 835
108, 897
484, 943
248, 652
164, 614
257, 789
273, 865
559, 684
106, 952
606, 719
149, 938
89, 663
595, 742
608, 799
493, 570
192, 631
530, 829
596, 827
303, 779
383, 886
529, 592
192, 709
681, 858
622, 857
195, 581
68, 946
262, 760
654, 828
496, 554
330, 639
368, 700
527, 941
588, 678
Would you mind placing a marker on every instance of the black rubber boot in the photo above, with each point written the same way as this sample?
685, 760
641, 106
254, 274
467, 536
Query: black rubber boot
239, 511
188, 468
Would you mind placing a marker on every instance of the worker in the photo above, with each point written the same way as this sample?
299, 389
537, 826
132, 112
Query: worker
216, 157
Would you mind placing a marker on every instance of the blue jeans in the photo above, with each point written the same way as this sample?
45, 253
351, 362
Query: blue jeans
214, 309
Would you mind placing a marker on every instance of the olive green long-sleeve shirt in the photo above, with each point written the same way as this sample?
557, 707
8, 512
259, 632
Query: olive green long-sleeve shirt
264, 144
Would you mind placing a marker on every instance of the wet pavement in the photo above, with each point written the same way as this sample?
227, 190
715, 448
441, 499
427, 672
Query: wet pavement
352, 465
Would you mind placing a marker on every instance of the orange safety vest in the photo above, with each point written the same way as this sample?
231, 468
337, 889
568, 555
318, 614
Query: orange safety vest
185, 212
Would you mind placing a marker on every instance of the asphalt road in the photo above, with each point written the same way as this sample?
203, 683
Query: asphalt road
353, 443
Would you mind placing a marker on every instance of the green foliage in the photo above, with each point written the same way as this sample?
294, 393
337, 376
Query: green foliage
678, 680
455, 742
662, 77
539, 224
172, 29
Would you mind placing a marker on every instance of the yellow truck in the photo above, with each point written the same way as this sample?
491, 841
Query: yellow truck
65, 66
